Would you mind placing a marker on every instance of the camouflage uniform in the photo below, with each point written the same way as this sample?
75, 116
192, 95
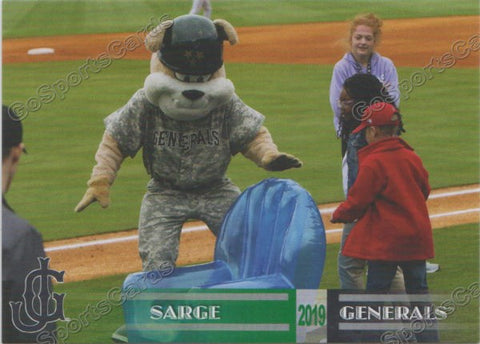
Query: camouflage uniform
187, 161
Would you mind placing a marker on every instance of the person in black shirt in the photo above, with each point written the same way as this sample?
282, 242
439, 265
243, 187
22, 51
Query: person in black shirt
22, 244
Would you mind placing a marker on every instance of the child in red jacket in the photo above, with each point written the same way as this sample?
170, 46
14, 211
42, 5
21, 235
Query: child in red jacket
388, 199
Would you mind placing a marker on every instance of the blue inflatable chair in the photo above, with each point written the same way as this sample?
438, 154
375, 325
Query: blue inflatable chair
272, 237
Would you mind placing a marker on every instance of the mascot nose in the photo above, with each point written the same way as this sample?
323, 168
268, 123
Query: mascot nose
193, 94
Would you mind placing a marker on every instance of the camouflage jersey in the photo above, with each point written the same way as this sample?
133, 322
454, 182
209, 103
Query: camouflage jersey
183, 154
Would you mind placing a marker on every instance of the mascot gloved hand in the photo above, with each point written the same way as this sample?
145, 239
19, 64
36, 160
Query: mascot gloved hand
108, 158
189, 122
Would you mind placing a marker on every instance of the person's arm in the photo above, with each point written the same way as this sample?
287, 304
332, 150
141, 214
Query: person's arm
391, 82
264, 152
361, 195
248, 136
336, 85
122, 138
426, 189
423, 180
108, 159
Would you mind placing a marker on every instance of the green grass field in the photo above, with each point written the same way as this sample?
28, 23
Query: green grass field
53, 17
63, 136
441, 120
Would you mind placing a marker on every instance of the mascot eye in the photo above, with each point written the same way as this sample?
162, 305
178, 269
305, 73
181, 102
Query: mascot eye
193, 78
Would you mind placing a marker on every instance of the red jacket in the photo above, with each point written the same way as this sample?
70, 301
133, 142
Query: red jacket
389, 199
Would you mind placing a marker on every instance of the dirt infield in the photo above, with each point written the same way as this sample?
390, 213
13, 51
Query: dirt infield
451, 41
424, 43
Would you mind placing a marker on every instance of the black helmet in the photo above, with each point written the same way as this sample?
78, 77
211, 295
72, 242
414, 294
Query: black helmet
192, 46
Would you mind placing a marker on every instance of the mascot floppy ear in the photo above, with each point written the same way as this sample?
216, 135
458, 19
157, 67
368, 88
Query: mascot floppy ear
154, 39
226, 31
153, 42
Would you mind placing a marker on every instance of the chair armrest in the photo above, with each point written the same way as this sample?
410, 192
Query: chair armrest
274, 281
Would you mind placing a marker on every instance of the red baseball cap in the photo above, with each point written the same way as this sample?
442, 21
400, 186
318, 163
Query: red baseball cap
378, 115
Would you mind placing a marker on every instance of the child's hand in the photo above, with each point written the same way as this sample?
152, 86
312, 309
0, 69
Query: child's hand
335, 220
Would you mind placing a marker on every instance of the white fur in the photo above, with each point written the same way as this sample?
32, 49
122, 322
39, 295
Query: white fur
166, 92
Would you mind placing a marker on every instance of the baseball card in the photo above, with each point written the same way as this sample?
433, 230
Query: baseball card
217, 171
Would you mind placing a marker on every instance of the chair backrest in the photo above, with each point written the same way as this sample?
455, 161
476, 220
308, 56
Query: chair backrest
274, 227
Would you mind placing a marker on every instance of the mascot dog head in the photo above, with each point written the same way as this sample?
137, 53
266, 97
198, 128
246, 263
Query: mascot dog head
188, 79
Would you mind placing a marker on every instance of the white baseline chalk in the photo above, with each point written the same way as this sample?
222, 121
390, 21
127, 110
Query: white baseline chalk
323, 211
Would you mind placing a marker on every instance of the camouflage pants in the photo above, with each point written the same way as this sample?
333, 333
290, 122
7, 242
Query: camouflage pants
164, 211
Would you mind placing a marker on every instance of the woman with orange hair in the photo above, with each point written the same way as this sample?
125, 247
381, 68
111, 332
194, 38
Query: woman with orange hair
364, 36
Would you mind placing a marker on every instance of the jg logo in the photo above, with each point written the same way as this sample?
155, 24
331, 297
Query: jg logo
38, 300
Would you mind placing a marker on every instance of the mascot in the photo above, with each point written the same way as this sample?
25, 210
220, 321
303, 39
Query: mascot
189, 122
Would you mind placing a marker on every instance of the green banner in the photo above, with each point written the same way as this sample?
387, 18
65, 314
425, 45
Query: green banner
219, 316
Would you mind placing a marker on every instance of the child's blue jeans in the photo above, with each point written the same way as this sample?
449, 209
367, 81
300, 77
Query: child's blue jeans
379, 280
